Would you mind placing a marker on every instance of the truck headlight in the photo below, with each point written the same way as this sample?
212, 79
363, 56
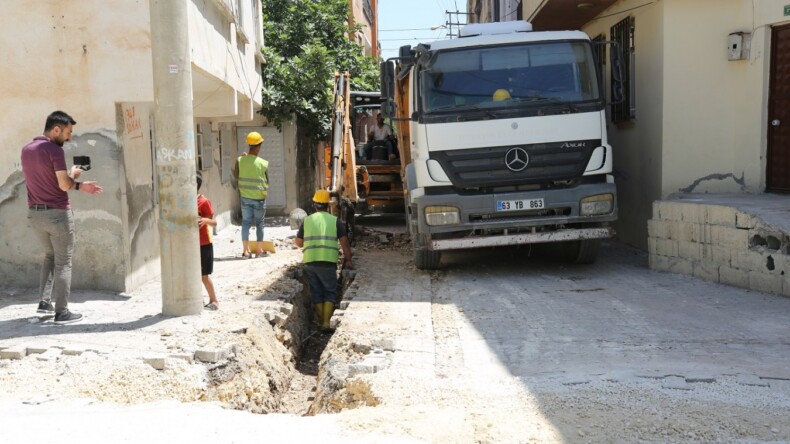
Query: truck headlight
598, 204
442, 215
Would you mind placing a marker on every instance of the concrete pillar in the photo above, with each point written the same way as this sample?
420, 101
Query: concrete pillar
175, 159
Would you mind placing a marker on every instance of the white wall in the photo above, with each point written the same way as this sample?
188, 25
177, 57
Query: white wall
92, 59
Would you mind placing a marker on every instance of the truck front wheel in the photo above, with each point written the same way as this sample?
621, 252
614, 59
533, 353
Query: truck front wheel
426, 259
582, 251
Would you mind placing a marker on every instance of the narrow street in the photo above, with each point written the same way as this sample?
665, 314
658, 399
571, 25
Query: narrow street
502, 345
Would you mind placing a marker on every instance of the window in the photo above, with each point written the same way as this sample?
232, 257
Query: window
225, 156
623, 34
203, 149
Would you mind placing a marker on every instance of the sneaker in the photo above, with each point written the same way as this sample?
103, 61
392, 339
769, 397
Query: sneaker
45, 307
67, 317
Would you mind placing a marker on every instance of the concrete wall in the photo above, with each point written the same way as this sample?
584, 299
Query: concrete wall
92, 59
638, 144
718, 242
81, 59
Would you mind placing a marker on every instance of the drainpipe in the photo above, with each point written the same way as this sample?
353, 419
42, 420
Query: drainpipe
179, 242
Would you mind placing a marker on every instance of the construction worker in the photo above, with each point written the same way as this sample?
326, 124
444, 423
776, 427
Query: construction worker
320, 235
251, 177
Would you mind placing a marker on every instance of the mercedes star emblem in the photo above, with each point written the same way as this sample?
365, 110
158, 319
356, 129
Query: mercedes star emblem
516, 159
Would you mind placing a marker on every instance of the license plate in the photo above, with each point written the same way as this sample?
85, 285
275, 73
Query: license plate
519, 205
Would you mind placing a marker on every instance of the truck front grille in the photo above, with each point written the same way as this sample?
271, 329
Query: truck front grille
487, 167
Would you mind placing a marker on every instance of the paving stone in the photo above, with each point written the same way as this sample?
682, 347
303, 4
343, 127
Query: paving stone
675, 383
752, 380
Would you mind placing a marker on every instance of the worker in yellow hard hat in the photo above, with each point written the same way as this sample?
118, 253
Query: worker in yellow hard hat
320, 235
251, 177
500, 95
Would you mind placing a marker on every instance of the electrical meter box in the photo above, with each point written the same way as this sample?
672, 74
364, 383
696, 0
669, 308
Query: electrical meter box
739, 45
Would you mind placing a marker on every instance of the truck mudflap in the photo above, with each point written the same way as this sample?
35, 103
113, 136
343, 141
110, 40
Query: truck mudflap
521, 238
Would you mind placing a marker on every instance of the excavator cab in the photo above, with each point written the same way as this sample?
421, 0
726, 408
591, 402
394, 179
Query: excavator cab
378, 173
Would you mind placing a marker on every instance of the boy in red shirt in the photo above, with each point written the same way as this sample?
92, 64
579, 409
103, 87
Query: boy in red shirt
205, 220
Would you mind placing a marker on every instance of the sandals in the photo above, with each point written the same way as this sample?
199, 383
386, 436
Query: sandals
211, 306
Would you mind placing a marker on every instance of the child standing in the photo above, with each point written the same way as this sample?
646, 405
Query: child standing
205, 220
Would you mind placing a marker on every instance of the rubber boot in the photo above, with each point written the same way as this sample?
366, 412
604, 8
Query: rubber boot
319, 312
328, 309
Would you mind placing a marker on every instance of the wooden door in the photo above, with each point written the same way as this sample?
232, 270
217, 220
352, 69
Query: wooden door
778, 160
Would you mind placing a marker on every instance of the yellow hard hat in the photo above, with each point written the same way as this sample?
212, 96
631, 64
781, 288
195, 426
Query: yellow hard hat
254, 138
500, 95
321, 197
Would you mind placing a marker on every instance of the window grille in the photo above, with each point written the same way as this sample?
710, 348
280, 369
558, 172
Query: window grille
623, 34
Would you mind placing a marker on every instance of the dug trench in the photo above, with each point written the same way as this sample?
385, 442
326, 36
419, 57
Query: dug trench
307, 372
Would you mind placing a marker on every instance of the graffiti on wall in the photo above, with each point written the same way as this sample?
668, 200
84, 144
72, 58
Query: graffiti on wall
134, 129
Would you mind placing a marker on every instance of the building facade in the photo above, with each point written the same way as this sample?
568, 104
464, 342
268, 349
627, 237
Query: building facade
93, 59
365, 14
706, 83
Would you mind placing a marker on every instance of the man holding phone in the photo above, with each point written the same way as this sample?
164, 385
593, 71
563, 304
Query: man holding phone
48, 181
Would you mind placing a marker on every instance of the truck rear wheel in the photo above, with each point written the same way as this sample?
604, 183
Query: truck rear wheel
582, 251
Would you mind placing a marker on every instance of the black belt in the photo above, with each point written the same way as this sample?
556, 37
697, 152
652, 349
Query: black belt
42, 207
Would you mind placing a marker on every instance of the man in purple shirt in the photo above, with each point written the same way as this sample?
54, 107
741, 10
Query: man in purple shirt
48, 181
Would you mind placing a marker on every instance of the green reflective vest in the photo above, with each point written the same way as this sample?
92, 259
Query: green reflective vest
252, 177
320, 238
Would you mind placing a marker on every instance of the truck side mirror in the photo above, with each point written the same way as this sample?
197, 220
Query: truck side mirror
387, 73
616, 58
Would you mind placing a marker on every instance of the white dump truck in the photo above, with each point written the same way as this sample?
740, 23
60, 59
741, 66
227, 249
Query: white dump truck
502, 138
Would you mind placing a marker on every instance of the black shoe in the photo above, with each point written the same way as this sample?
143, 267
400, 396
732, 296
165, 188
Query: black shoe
45, 307
67, 317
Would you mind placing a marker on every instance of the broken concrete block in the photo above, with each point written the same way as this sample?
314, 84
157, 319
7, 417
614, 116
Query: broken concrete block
343, 305
73, 351
157, 363
14, 352
212, 355
36, 349
182, 356
50, 354
286, 309
215, 355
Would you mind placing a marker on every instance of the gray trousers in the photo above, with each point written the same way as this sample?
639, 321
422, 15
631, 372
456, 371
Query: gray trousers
55, 230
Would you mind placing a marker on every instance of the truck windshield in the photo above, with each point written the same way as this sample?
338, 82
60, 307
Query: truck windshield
513, 76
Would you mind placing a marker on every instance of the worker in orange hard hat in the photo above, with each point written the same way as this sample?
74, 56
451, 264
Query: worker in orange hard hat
320, 235
251, 178
500, 95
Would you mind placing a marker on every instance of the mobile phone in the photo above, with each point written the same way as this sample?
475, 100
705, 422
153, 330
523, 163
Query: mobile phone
82, 162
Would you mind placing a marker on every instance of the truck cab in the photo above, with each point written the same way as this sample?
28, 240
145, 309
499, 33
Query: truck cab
506, 141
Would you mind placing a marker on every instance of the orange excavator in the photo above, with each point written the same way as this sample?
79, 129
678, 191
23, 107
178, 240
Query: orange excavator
359, 184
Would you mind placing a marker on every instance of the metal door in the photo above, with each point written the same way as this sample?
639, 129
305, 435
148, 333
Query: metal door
778, 160
273, 150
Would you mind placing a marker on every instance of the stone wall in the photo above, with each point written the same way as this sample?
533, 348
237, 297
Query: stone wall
720, 244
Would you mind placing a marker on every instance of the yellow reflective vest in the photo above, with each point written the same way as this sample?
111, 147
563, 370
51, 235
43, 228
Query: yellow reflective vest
252, 177
320, 238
